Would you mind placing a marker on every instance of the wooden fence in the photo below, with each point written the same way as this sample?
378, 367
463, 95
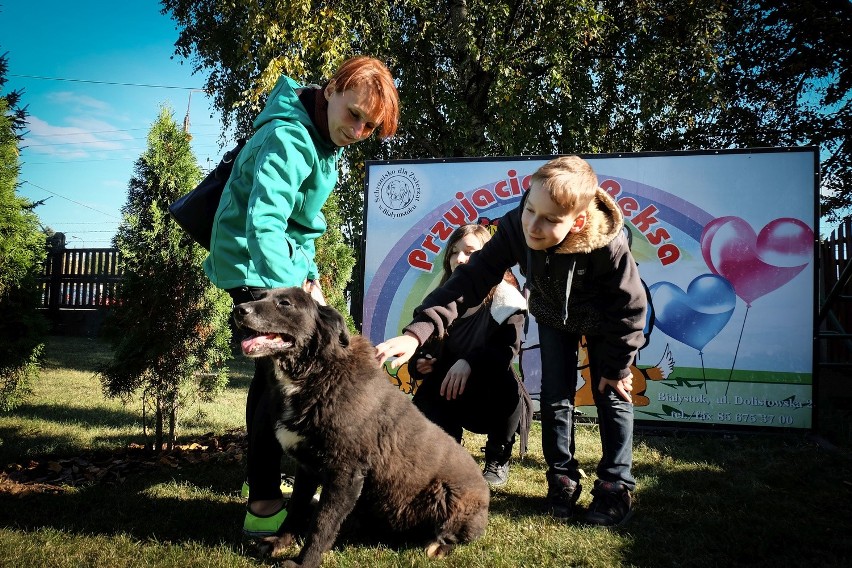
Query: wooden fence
77, 288
80, 278
835, 304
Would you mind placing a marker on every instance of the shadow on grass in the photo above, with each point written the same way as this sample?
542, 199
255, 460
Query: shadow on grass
534, 461
76, 353
736, 500
18, 442
18, 445
95, 417
134, 508
517, 507
239, 378
89, 355
701, 501
191, 505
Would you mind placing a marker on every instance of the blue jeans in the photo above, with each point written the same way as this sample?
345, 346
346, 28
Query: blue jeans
558, 389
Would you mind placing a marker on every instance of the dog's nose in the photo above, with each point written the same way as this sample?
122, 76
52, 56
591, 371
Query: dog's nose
242, 310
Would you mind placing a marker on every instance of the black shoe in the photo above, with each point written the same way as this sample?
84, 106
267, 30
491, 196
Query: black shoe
562, 495
496, 470
612, 505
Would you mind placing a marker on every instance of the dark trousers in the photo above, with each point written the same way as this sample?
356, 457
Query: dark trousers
489, 405
558, 390
264, 454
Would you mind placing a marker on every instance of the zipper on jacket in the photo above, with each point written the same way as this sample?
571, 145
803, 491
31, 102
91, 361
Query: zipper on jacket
568, 281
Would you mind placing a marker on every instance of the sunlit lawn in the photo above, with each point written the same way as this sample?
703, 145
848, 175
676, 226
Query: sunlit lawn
702, 500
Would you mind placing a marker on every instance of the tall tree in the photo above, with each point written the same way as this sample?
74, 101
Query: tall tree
170, 325
786, 80
335, 260
22, 252
514, 77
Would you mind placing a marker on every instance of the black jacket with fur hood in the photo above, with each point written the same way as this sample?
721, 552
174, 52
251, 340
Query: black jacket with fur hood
588, 284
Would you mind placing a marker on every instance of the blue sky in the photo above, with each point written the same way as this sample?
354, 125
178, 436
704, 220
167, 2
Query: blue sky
84, 136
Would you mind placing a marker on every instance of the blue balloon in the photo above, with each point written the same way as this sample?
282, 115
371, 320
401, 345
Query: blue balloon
698, 315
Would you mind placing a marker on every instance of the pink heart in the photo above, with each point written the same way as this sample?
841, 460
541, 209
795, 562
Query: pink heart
756, 264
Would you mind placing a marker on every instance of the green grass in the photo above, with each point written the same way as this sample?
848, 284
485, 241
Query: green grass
702, 500
68, 412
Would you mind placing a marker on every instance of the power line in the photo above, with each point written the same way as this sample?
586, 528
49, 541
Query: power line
71, 200
124, 158
81, 132
98, 141
83, 143
131, 158
105, 82
87, 222
87, 132
87, 232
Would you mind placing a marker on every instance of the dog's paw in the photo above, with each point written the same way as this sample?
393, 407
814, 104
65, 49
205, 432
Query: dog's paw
439, 550
277, 545
290, 564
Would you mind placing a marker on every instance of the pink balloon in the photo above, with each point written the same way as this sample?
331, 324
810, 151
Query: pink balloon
756, 264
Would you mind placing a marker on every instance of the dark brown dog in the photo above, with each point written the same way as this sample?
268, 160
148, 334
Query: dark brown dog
350, 430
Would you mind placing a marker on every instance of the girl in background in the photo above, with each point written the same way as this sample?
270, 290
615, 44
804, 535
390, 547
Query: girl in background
468, 379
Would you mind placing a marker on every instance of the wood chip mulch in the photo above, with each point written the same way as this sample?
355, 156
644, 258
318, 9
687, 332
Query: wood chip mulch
55, 475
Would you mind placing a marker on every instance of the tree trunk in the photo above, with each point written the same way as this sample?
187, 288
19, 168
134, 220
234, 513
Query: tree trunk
172, 426
158, 442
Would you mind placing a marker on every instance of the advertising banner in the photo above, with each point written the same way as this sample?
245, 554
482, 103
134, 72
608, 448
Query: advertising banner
725, 244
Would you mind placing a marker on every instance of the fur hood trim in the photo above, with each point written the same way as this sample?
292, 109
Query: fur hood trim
603, 224
506, 302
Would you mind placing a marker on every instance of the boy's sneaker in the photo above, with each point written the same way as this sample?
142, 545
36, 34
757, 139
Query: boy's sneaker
256, 526
562, 495
612, 505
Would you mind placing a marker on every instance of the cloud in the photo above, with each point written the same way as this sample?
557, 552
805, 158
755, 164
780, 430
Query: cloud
79, 103
83, 137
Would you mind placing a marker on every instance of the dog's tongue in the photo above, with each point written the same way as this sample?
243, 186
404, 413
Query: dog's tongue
256, 341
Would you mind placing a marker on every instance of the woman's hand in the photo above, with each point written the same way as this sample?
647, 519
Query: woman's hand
402, 347
622, 386
313, 288
456, 379
425, 364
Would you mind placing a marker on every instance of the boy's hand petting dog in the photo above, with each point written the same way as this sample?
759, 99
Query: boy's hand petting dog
402, 347
314, 288
621, 386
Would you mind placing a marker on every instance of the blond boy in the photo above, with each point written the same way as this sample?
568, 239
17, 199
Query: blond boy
566, 236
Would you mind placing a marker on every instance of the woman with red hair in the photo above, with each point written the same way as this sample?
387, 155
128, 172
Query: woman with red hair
270, 215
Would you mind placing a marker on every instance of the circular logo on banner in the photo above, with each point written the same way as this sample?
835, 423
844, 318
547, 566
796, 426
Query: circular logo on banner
397, 193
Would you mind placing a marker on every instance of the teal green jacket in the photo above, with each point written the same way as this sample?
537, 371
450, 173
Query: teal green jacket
269, 215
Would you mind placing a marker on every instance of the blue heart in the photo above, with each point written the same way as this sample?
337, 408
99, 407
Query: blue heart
698, 315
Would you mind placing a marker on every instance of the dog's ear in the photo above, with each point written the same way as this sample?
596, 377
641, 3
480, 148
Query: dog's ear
335, 324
